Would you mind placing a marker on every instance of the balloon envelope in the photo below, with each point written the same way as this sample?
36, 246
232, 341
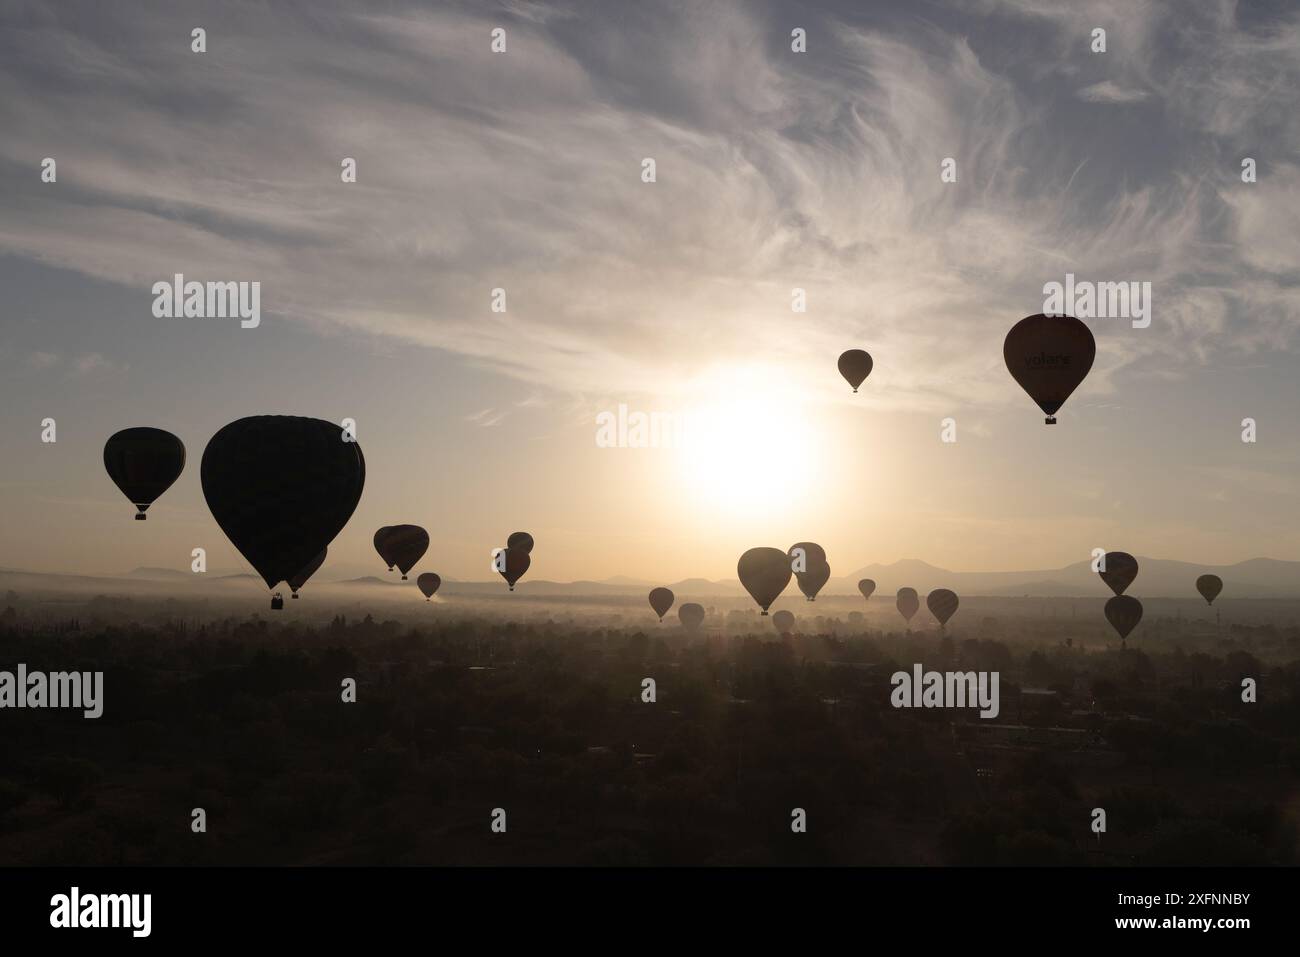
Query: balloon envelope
521, 541
691, 615
661, 599
764, 572
300, 577
380, 537
812, 553
867, 587
1209, 586
855, 365
143, 463
428, 584
784, 621
942, 604
811, 581
404, 546
517, 563
907, 602
281, 487
1120, 570
1123, 612
1049, 356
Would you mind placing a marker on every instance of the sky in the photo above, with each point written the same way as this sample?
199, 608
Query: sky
775, 170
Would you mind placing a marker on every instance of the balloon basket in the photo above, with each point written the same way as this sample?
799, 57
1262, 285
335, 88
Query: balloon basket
140, 516
1050, 420
294, 596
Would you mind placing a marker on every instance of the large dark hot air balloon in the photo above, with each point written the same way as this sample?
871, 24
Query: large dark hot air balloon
1209, 586
521, 541
907, 603
855, 366
811, 581
1123, 612
1049, 356
1118, 571
942, 604
403, 546
661, 599
380, 537
764, 572
784, 621
281, 487
867, 587
690, 615
428, 584
516, 563
810, 552
301, 575
143, 463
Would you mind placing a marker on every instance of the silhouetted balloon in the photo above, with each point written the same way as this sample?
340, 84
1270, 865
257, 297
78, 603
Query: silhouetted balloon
143, 463
403, 546
428, 584
1209, 586
1123, 612
661, 599
281, 487
811, 581
867, 587
942, 604
764, 572
855, 365
1121, 569
813, 554
301, 575
690, 615
784, 621
907, 603
516, 563
380, 537
521, 541
1049, 356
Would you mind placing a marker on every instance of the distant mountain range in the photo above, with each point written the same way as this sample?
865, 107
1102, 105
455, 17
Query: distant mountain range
1157, 578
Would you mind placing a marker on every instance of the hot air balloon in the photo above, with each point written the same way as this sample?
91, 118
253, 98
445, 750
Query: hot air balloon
428, 584
516, 563
1209, 586
301, 575
1123, 612
810, 552
867, 587
855, 366
908, 603
784, 621
811, 581
764, 572
661, 599
404, 545
521, 541
1119, 570
942, 604
380, 537
143, 463
1049, 356
691, 615
281, 487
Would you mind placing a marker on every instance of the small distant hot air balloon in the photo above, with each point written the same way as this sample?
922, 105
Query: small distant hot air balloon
515, 564
855, 365
300, 577
1123, 612
428, 584
1209, 586
691, 615
143, 463
811, 581
764, 572
521, 541
867, 587
942, 604
380, 537
1049, 356
1119, 570
907, 603
784, 621
661, 599
404, 545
